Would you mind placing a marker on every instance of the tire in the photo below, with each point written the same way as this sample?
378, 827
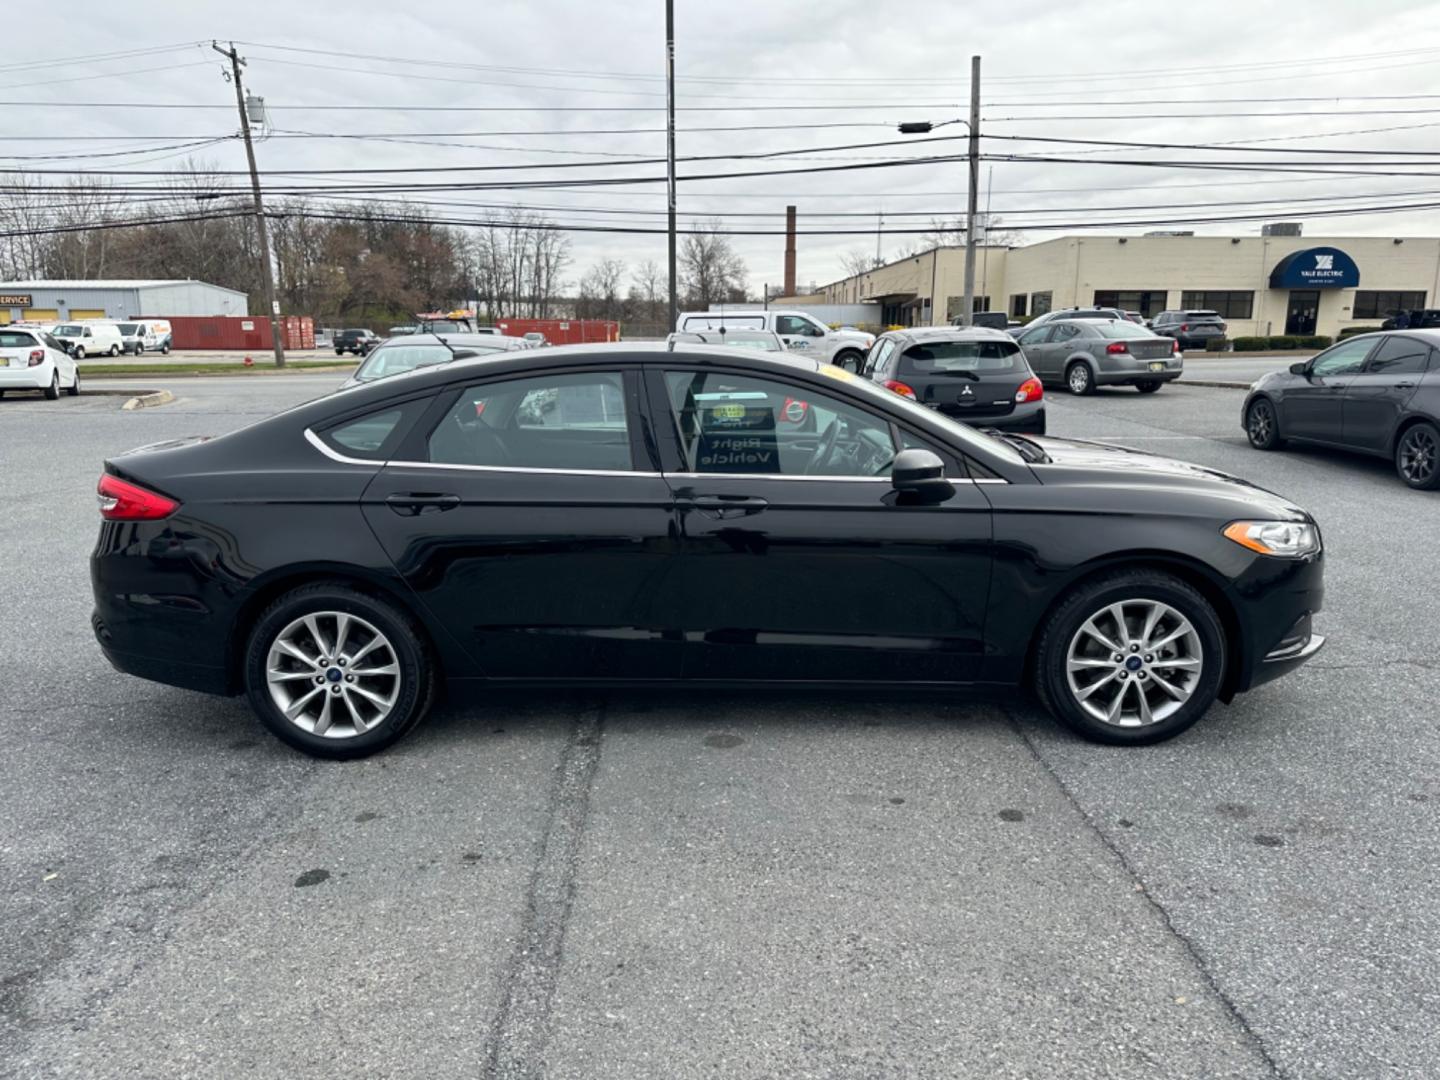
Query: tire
339, 352
409, 692
140, 349
114, 350
1417, 457
848, 359
165, 349
1135, 593
1262, 425
1079, 379
52, 392
74, 388
1148, 386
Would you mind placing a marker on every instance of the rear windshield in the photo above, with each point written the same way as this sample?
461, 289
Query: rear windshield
393, 359
1206, 316
981, 357
13, 339
1122, 331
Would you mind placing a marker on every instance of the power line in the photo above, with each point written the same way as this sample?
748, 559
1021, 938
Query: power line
108, 75
71, 61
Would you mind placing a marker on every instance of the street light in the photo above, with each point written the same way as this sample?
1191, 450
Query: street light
924, 127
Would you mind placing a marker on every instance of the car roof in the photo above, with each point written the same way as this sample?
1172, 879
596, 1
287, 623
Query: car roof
458, 340
951, 333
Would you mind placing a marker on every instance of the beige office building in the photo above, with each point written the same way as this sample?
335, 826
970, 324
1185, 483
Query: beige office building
1259, 284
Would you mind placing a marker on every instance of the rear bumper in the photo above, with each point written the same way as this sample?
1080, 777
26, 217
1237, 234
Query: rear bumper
1031, 422
27, 378
1130, 375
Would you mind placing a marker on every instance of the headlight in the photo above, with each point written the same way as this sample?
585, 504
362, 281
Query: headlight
1286, 539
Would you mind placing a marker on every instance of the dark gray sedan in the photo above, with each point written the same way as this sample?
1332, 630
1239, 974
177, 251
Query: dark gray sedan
1375, 393
1086, 353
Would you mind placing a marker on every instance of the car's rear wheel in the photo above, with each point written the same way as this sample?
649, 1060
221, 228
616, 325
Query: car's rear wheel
1262, 427
1148, 386
1079, 379
74, 388
114, 350
1417, 457
139, 349
1131, 658
338, 673
52, 392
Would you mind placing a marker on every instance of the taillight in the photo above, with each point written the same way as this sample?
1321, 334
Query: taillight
900, 388
1030, 390
1117, 347
795, 410
1175, 347
37, 357
1184, 327
121, 500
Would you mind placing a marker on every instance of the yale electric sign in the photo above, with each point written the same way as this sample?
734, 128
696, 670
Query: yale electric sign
1316, 268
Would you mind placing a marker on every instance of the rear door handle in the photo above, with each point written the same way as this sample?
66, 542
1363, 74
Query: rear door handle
413, 503
724, 506
1404, 386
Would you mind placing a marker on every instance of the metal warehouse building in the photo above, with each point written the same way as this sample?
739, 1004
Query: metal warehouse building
61, 301
1269, 284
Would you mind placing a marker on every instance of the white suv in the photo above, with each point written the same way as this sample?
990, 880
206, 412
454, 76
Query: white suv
801, 332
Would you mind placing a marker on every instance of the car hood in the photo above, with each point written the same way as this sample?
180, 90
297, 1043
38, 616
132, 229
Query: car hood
1078, 461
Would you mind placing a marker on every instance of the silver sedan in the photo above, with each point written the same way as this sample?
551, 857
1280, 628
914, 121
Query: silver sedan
1086, 353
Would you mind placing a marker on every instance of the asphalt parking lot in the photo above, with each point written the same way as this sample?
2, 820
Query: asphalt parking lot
737, 886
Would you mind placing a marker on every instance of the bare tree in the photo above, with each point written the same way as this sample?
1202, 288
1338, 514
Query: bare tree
859, 261
710, 269
599, 291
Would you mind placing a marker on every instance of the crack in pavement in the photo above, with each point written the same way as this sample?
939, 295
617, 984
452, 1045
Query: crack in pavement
1191, 949
521, 1026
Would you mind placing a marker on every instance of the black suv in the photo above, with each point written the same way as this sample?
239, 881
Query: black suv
1191, 328
359, 342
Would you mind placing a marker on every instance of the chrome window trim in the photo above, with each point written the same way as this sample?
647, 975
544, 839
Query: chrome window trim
523, 469
334, 455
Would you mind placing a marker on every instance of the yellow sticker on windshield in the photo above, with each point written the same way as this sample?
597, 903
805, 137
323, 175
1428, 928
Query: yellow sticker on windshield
729, 412
836, 372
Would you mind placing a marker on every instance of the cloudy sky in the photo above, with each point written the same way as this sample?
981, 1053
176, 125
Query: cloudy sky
467, 87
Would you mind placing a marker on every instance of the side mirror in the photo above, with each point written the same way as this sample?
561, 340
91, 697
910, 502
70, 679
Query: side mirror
1300, 368
920, 474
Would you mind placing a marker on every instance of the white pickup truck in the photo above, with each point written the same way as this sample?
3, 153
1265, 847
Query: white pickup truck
800, 331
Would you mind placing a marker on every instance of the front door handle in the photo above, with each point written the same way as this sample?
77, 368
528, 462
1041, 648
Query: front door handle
724, 506
413, 503
1404, 386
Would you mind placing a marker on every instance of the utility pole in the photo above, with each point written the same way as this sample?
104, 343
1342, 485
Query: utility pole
968, 310
670, 153
262, 233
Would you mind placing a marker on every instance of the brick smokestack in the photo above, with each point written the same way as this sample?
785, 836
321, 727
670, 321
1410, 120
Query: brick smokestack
789, 251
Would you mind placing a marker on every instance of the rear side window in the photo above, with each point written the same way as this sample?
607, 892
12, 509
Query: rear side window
979, 357
1399, 356
374, 436
574, 423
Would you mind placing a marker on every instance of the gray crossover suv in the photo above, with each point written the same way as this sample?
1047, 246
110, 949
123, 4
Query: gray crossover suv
1086, 353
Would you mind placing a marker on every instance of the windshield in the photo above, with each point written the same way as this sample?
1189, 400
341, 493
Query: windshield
67, 331
980, 357
1122, 331
1203, 316
394, 359
962, 434
129, 328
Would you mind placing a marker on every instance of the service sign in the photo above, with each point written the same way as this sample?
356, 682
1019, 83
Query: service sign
15, 300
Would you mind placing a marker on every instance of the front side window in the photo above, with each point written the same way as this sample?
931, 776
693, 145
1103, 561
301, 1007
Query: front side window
792, 324
742, 424
1399, 356
575, 423
1343, 359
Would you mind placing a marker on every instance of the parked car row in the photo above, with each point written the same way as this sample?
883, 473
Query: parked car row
107, 337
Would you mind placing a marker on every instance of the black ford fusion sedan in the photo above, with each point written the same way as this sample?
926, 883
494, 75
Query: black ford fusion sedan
615, 516
1373, 393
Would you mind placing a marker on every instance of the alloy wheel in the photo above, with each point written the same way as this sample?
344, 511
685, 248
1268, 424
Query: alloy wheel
1262, 423
333, 674
1418, 456
1134, 663
1079, 379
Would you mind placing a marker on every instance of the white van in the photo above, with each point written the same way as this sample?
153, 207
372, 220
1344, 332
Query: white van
799, 330
90, 339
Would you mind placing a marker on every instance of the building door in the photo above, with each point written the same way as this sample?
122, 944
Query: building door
1300, 315
78, 314
37, 314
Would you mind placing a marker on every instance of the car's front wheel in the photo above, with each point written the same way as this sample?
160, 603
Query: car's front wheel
1417, 457
338, 673
1262, 427
1131, 658
1079, 379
